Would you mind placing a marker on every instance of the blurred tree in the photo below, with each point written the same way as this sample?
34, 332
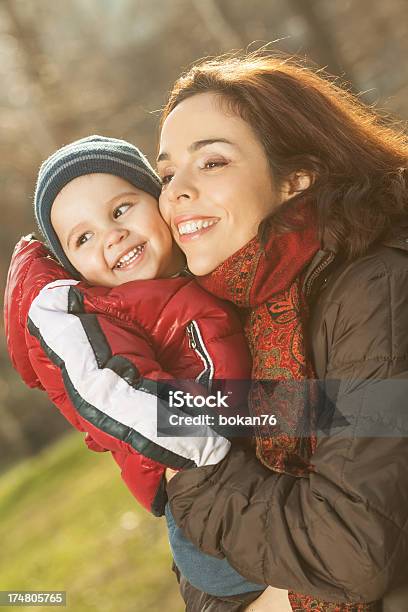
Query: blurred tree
323, 37
33, 104
218, 25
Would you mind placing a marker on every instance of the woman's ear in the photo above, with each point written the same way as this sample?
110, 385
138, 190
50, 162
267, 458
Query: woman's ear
296, 183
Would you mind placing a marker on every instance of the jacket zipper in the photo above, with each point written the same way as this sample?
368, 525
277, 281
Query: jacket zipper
327, 260
196, 342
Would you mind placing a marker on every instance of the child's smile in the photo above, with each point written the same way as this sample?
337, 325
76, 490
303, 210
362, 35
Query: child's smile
130, 257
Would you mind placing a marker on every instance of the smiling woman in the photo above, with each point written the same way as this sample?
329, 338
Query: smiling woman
290, 199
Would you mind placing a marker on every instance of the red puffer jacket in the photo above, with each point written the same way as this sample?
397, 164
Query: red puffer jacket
104, 356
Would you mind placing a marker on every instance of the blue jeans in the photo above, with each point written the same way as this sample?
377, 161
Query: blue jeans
206, 573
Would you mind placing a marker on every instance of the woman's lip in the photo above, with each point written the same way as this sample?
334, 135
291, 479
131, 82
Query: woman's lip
185, 218
134, 263
196, 235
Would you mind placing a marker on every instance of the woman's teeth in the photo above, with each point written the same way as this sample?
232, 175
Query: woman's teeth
194, 226
130, 257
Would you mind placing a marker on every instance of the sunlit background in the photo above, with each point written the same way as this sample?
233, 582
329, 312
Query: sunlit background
74, 68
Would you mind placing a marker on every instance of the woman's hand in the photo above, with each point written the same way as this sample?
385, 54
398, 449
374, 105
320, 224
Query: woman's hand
169, 473
271, 600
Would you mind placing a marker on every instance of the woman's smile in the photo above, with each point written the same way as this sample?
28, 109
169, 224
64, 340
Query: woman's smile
193, 227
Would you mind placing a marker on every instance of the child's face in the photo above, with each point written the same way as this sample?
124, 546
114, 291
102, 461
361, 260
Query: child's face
112, 232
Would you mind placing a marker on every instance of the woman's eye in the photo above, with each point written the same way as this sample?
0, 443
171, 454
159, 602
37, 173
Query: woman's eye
120, 210
214, 164
83, 238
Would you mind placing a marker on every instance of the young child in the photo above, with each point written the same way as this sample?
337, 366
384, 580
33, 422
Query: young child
104, 336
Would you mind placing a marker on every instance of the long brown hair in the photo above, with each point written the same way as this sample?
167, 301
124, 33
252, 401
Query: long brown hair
306, 122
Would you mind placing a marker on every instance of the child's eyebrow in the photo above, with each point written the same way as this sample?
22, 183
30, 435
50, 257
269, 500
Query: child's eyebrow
120, 196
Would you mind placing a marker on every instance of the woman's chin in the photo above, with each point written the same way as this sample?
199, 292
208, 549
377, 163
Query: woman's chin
201, 267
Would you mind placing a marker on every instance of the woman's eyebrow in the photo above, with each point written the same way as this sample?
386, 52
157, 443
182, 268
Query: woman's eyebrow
195, 146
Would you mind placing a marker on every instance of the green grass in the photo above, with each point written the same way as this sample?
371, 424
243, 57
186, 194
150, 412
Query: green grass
67, 522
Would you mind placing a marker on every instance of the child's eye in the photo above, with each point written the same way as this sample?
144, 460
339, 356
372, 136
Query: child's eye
83, 238
120, 210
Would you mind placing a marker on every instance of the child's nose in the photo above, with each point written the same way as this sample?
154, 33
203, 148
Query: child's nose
115, 236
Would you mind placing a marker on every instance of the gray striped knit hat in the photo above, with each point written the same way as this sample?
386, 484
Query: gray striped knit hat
88, 156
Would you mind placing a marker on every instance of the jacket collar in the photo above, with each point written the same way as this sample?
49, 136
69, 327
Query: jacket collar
326, 260
318, 271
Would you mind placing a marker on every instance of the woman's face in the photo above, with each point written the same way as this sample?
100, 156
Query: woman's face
217, 184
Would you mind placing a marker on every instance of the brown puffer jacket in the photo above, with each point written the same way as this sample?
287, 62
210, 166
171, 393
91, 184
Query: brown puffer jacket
342, 534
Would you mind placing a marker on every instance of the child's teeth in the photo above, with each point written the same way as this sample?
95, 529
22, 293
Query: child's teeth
130, 256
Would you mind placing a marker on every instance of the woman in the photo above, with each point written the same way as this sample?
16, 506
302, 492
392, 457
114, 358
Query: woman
290, 199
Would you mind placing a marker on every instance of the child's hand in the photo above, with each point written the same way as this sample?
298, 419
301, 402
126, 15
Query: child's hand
271, 600
169, 473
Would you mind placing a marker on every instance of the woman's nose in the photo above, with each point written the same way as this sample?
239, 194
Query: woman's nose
115, 236
181, 188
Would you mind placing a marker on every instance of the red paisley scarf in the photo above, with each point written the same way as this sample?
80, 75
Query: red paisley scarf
267, 284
